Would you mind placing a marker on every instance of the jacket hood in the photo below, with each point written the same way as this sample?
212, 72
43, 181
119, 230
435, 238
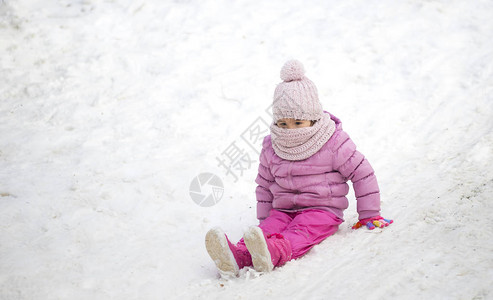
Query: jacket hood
335, 119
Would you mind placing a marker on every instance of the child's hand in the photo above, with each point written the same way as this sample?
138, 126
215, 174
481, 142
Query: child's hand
372, 222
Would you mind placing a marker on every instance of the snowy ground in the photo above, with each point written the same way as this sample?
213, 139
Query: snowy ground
109, 109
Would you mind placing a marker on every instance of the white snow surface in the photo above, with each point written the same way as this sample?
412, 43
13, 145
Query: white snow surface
109, 109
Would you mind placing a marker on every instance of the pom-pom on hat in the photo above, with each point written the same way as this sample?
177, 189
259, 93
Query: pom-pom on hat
296, 97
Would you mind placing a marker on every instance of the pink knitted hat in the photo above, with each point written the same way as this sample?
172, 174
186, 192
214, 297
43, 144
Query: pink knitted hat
296, 97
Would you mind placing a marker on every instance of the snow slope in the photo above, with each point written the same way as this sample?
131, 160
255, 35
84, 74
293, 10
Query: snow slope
109, 109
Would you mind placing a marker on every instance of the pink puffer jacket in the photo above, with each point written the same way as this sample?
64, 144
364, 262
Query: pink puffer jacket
319, 181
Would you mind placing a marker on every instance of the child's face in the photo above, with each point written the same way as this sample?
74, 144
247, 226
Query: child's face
293, 123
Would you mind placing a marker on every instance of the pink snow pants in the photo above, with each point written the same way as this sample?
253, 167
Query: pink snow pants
303, 229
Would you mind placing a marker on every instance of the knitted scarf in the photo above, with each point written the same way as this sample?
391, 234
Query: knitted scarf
301, 143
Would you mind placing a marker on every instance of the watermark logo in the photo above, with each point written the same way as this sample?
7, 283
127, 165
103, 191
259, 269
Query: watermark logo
236, 159
206, 189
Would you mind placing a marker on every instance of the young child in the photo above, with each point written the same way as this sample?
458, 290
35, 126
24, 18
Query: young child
305, 164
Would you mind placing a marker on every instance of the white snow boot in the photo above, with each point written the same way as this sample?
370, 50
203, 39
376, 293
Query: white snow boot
257, 246
267, 251
219, 250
